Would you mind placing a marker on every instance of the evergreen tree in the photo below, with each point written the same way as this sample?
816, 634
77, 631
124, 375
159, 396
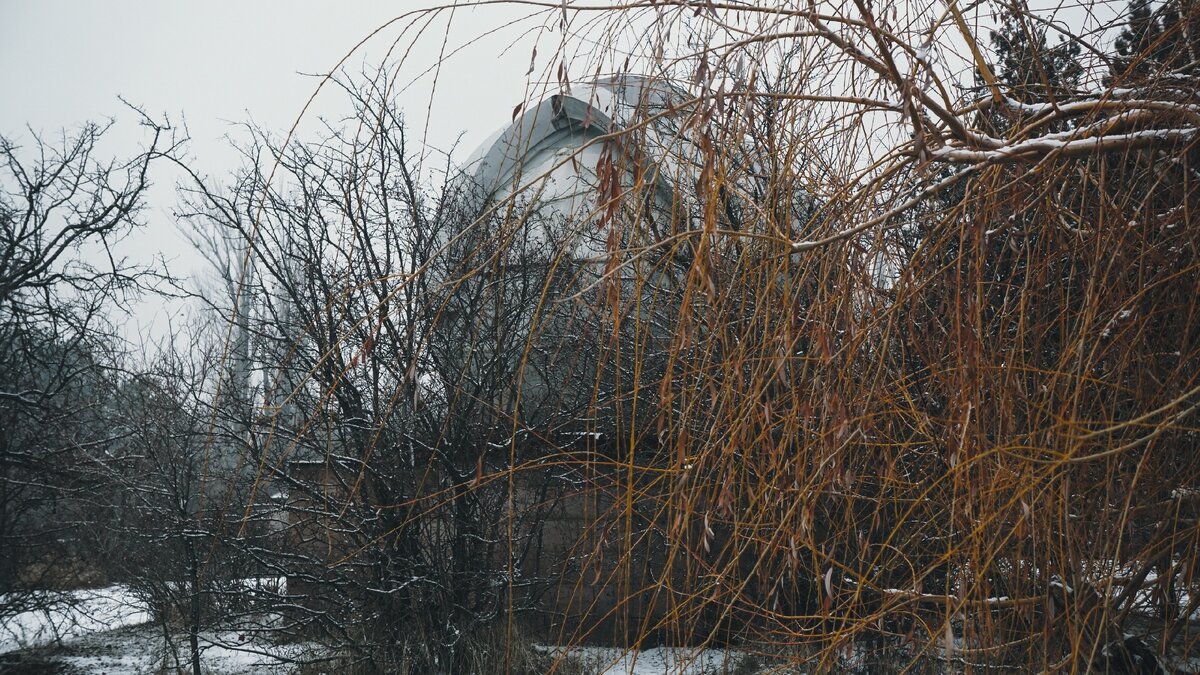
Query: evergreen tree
1031, 68
1159, 40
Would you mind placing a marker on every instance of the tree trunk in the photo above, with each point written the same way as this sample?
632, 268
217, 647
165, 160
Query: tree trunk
194, 600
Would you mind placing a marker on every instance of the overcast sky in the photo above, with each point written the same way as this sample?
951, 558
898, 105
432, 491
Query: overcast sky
222, 62
219, 60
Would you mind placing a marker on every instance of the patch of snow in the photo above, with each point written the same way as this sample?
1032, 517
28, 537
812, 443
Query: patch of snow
72, 614
234, 653
654, 661
142, 650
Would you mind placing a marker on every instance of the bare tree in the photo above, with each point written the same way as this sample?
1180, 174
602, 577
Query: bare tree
62, 210
388, 323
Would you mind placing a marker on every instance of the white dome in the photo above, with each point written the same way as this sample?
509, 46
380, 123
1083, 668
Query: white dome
551, 150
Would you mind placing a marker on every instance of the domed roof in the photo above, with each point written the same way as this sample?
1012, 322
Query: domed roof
556, 143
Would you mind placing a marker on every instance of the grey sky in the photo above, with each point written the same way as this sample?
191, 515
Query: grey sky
67, 61
222, 62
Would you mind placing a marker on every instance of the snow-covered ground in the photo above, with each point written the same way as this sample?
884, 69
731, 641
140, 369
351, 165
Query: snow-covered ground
142, 649
71, 615
655, 661
108, 630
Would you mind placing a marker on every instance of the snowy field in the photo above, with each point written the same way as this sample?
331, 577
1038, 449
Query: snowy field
72, 615
109, 630
681, 661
